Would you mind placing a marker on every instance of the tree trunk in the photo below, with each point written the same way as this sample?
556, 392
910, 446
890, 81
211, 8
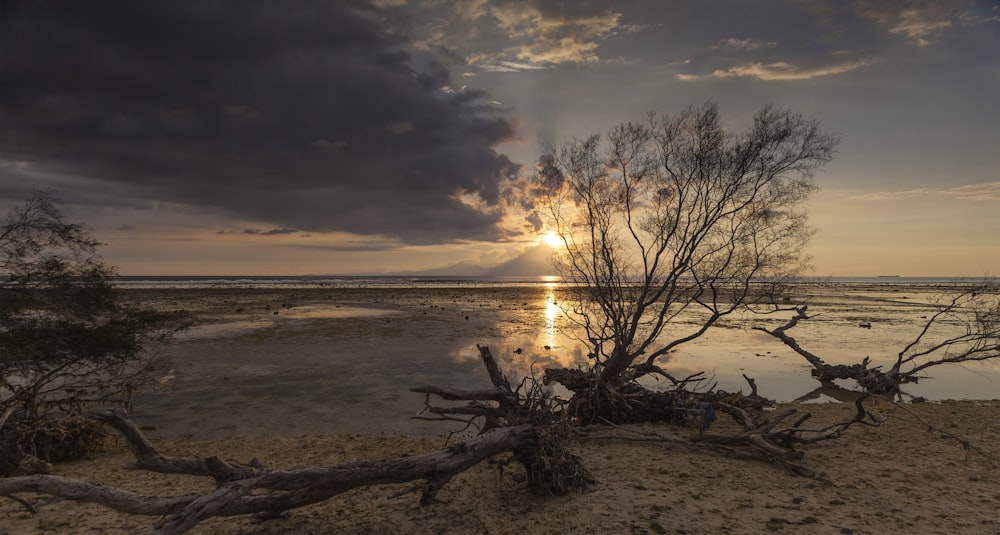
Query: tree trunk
240, 489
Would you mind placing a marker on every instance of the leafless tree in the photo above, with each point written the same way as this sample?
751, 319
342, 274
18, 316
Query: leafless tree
678, 216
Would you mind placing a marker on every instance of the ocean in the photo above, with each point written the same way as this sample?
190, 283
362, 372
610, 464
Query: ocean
339, 354
307, 281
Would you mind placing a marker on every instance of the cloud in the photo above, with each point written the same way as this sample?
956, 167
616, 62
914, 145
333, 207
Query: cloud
349, 246
326, 144
271, 232
919, 21
311, 115
399, 127
744, 44
497, 63
502, 36
982, 191
471, 9
555, 32
781, 71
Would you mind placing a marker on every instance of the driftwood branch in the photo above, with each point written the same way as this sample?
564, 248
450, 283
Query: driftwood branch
253, 488
767, 440
761, 439
780, 334
5, 416
872, 380
535, 441
526, 422
288, 489
964, 328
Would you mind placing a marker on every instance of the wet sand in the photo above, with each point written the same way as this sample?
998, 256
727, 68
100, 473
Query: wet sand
900, 478
311, 377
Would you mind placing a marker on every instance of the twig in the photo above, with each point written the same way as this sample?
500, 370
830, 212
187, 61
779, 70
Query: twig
721, 448
25, 503
6, 415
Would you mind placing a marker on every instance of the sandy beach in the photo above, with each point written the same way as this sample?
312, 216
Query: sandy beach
316, 377
901, 477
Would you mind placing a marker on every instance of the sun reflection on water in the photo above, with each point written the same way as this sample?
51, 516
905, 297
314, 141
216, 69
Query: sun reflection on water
551, 313
533, 334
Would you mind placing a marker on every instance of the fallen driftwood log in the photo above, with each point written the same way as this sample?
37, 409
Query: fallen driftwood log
962, 329
517, 424
239, 485
527, 423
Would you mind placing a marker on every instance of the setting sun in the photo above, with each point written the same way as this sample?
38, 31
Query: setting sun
552, 239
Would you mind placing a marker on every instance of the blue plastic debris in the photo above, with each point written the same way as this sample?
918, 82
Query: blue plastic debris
708, 416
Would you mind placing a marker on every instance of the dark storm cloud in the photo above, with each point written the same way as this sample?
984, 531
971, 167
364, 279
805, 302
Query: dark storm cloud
270, 232
305, 115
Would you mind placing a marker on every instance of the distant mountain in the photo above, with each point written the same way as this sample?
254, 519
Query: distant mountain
533, 262
460, 269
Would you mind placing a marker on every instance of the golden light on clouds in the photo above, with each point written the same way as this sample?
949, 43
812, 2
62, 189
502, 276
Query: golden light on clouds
781, 70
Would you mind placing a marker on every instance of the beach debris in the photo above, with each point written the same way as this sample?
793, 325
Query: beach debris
29, 447
168, 379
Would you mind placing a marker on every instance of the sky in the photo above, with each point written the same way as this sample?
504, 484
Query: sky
256, 137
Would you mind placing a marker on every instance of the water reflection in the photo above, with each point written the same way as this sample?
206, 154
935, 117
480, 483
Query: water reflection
551, 313
829, 391
534, 339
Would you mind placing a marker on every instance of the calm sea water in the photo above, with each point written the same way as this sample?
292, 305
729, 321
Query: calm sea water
339, 354
173, 281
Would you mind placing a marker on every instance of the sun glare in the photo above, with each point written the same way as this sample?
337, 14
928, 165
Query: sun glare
552, 239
